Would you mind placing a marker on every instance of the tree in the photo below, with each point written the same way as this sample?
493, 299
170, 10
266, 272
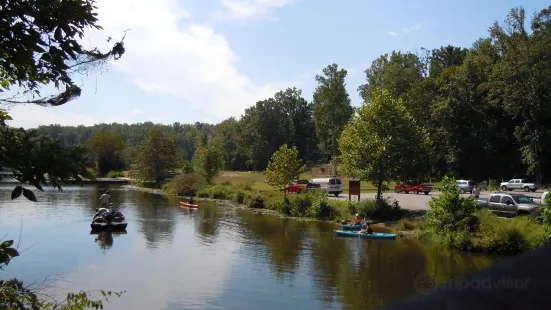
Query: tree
39, 47
38, 160
284, 167
108, 150
520, 83
157, 156
208, 162
332, 108
383, 143
449, 212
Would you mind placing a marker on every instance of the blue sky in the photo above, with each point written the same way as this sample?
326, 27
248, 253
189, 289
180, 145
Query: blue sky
206, 60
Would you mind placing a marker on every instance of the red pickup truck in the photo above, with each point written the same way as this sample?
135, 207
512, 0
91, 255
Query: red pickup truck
416, 189
297, 186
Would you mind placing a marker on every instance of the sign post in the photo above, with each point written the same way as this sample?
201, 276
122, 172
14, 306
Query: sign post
353, 189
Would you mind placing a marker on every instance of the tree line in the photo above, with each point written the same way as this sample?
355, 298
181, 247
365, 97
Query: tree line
485, 109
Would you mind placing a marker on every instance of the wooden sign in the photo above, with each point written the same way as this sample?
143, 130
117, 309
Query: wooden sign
353, 189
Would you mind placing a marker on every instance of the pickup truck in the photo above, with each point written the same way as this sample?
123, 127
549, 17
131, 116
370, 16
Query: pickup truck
509, 205
518, 184
416, 189
297, 186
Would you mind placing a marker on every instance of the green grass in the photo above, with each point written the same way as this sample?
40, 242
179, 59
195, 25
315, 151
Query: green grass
256, 181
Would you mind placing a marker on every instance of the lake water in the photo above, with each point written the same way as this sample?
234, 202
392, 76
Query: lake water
217, 257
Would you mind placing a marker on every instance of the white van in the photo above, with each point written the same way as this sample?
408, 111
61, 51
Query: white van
329, 185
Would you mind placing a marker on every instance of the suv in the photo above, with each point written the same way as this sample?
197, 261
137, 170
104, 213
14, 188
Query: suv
518, 184
512, 205
466, 186
329, 185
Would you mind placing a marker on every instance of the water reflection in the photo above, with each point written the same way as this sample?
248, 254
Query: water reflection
156, 221
105, 238
207, 222
215, 257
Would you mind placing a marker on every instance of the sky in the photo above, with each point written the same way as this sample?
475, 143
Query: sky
193, 61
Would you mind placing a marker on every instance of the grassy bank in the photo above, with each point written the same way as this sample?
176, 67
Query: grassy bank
491, 234
452, 219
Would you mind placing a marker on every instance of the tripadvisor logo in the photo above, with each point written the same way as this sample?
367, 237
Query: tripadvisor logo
426, 285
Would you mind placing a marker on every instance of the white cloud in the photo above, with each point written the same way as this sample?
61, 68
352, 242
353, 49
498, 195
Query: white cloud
168, 53
191, 62
244, 9
408, 29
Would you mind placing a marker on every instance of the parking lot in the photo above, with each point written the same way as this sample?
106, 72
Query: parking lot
421, 201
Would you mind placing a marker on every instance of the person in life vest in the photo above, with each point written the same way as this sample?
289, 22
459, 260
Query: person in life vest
105, 199
357, 220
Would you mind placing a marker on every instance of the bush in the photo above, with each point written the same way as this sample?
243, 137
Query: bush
115, 174
511, 235
382, 210
320, 208
184, 185
450, 212
255, 202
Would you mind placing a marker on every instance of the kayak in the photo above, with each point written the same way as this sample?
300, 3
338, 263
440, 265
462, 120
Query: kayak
352, 227
374, 235
188, 205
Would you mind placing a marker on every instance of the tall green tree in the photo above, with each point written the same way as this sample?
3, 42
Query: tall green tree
332, 108
521, 84
208, 162
108, 150
383, 143
284, 167
395, 73
157, 156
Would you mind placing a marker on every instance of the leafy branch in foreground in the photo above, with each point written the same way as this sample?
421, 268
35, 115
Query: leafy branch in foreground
39, 47
42, 157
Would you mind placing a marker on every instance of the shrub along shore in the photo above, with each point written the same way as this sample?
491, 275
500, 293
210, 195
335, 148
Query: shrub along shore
453, 220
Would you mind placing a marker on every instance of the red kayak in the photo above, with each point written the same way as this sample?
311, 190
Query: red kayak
188, 205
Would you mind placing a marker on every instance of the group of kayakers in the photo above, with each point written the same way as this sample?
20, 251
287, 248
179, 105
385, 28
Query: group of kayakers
357, 221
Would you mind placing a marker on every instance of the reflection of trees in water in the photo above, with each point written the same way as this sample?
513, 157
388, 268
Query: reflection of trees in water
207, 221
283, 239
156, 218
386, 270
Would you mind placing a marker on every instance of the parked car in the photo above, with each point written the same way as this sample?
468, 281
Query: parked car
510, 205
466, 186
416, 189
297, 186
518, 184
541, 199
329, 185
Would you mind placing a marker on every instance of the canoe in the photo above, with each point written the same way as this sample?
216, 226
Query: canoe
188, 205
352, 227
374, 235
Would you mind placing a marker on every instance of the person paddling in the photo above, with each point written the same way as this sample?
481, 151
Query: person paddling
367, 230
191, 200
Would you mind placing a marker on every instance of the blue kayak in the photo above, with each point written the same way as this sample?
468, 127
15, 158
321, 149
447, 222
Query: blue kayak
352, 227
374, 235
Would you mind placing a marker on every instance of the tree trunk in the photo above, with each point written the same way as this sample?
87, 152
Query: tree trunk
380, 181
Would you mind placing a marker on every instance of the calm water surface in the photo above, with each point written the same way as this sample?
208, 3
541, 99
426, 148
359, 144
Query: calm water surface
212, 258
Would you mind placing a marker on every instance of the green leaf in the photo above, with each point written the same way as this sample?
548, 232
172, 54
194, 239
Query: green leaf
29, 195
16, 192
6, 244
11, 252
